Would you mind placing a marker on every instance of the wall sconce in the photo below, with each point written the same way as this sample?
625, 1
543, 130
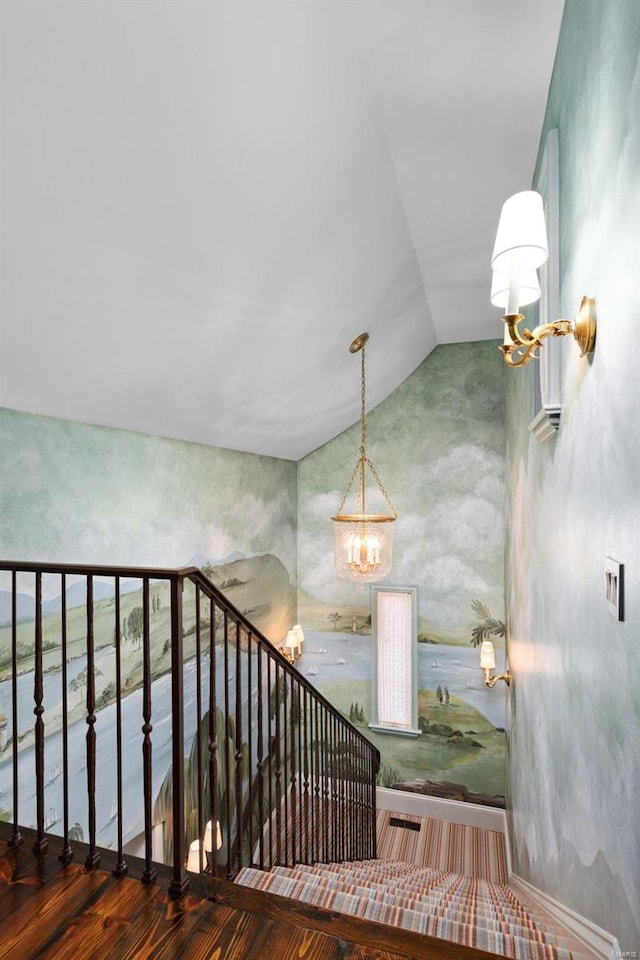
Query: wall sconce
299, 632
520, 248
292, 646
193, 858
488, 662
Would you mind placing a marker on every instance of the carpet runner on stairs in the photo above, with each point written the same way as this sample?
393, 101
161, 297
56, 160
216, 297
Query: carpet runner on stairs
466, 910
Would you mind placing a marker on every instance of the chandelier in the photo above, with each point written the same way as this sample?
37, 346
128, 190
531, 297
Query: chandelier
363, 541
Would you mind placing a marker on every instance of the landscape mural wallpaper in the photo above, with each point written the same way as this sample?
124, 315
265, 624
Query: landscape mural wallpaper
438, 445
80, 494
260, 528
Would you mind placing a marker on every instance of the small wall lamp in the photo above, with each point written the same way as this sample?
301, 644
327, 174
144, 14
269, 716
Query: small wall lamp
488, 662
292, 646
193, 859
520, 248
299, 632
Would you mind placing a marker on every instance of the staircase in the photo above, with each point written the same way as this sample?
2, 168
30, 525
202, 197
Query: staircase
438, 903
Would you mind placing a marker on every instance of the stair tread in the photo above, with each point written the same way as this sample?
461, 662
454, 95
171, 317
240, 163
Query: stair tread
454, 907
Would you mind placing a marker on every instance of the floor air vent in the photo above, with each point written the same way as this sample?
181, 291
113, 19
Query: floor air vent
405, 824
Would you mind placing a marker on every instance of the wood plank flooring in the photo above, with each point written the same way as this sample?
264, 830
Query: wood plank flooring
52, 912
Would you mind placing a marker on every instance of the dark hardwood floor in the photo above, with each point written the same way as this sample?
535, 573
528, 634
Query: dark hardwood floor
48, 911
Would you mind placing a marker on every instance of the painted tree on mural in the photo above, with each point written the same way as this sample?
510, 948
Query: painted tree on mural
487, 625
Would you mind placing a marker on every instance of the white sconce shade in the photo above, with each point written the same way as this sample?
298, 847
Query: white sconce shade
528, 289
292, 643
193, 859
299, 632
208, 837
487, 655
521, 241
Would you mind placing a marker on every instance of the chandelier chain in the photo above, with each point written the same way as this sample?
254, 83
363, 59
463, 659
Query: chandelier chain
363, 401
381, 487
358, 475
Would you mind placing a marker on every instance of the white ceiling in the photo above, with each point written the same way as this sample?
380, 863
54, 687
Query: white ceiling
204, 202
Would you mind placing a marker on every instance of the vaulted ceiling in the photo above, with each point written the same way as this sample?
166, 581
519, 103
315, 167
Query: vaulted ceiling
205, 202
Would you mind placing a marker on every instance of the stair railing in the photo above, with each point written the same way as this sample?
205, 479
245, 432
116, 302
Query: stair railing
193, 719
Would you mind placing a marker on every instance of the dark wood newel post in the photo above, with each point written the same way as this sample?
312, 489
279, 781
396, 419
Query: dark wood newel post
179, 882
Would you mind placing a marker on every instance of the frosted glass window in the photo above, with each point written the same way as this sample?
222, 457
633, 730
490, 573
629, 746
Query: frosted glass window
395, 661
394, 658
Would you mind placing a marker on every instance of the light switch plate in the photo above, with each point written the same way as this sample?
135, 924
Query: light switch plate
614, 587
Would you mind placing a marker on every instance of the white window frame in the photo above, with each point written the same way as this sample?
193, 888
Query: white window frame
407, 653
547, 401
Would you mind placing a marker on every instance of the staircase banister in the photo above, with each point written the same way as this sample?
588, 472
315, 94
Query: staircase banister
197, 576
96, 570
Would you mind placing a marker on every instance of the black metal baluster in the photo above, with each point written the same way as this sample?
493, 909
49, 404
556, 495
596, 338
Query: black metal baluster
363, 850
199, 774
375, 764
93, 857
317, 804
179, 880
149, 872
284, 759
277, 761
213, 738
227, 745
238, 748
250, 643
270, 756
325, 783
41, 842
66, 854
305, 775
351, 793
260, 760
295, 810
344, 788
335, 799
300, 691
121, 868
16, 836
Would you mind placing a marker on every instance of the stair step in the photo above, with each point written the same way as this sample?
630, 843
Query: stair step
454, 907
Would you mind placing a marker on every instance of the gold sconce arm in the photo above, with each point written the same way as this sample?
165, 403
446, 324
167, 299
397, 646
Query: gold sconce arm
520, 345
491, 681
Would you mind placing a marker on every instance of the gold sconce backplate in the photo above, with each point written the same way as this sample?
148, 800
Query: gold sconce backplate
584, 325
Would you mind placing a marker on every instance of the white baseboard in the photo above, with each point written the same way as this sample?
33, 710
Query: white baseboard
604, 945
451, 811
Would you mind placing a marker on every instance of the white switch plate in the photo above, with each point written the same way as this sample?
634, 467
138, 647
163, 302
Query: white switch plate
614, 587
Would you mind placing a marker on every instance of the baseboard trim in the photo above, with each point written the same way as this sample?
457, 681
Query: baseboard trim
451, 811
601, 943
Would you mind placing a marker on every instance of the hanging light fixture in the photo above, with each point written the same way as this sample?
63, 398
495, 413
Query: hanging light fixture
363, 541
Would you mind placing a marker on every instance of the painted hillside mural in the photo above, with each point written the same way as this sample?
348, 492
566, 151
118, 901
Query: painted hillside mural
258, 586
88, 494
438, 444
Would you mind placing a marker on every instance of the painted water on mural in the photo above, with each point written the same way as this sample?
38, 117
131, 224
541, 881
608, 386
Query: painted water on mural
106, 772
340, 656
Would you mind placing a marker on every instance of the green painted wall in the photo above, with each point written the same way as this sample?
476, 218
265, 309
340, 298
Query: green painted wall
81, 494
574, 750
438, 445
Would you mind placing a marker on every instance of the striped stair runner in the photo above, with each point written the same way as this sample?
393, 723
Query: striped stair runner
474, 851
439, 903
